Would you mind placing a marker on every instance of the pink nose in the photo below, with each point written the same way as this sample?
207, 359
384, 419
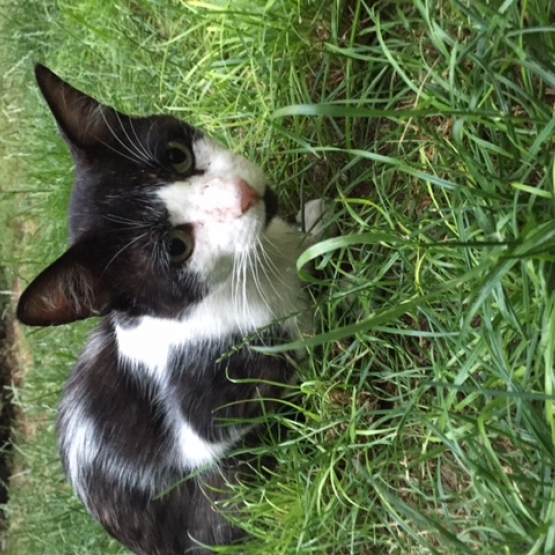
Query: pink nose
249, 197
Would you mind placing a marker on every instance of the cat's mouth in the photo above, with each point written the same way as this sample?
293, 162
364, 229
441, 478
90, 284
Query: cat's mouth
271, 204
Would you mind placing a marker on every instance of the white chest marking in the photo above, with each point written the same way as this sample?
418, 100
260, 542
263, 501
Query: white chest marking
217, 316
151, 341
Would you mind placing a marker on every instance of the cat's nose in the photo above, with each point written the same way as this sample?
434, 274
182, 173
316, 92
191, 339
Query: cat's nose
249, 197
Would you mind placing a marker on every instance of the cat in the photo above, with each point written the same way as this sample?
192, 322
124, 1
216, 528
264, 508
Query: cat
175, 242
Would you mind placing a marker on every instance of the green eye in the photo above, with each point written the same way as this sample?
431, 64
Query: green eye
179, 245
179, 156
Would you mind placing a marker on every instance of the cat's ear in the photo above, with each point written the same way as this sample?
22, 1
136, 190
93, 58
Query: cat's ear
83, 121
72, 288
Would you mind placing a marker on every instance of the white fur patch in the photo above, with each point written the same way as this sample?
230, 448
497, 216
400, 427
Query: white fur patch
195, 451
148, 344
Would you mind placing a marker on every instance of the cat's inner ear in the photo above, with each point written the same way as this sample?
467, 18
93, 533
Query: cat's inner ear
69, 289
83, 121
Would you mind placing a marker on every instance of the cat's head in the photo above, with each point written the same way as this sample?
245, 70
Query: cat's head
159, 212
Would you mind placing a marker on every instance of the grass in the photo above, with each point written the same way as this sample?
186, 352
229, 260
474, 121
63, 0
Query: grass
427, 401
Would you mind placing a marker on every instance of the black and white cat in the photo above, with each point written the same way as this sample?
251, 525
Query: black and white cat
176, 243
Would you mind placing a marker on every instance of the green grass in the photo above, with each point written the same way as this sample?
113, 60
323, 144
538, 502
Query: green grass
427, 401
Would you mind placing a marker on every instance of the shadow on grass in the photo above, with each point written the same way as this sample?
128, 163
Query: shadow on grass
8, 412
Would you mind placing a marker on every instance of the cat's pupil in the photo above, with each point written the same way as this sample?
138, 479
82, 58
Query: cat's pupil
177, 247
176, 156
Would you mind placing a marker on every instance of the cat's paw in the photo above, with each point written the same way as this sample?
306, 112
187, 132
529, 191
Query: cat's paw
315, 219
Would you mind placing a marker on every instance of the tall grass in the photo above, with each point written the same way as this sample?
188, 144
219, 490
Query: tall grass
427, 405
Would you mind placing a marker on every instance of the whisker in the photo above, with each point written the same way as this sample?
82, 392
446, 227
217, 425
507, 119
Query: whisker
126, 222
141, 146
132, 155
271, 267
132, 147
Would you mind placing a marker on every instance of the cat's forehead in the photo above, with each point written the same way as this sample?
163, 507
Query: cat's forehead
155, 127
148, 135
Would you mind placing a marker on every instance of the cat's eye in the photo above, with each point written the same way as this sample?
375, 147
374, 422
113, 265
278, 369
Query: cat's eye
179, 245
179, 156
